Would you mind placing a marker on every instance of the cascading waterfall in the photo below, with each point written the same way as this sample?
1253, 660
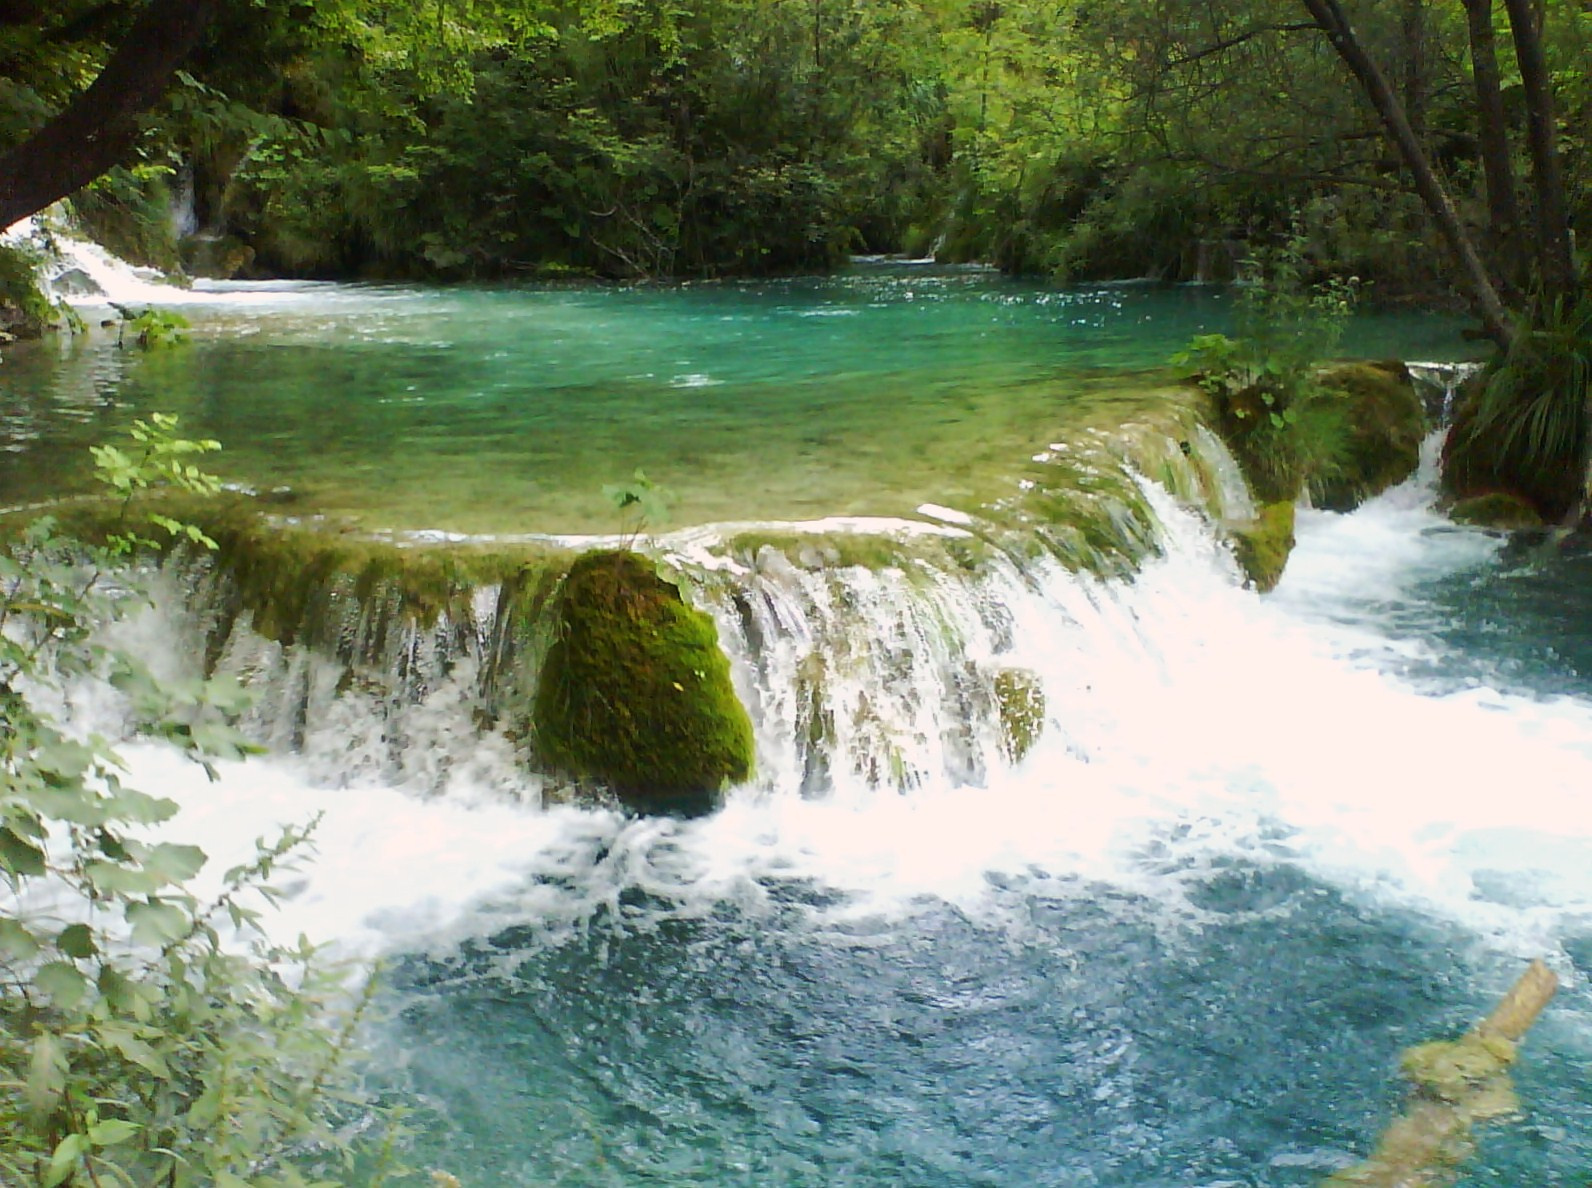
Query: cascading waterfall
1068, 860
1442, 382
1236, 809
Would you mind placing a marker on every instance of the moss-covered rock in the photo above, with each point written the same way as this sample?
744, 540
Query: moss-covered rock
1262, 548
635, 691
1020, 698
24, 309
297, 581
1497, 509
221, 257
1386, 423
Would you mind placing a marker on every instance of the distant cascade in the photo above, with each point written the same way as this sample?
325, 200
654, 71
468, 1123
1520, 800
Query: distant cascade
78, 270
1439, 384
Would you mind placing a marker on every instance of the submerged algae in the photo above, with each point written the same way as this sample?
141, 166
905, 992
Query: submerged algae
635, 691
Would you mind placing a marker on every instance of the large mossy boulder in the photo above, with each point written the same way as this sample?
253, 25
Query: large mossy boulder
1262, 548
635, 691
1386, 423
1497, 509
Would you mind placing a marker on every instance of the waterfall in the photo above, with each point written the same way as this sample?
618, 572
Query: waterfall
893, 697
873, 656
1439, 383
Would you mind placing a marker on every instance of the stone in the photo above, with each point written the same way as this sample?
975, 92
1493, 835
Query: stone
635, 692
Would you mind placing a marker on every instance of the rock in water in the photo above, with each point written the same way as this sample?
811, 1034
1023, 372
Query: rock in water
635, 691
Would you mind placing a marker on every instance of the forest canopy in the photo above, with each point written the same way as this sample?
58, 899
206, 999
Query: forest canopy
628, 138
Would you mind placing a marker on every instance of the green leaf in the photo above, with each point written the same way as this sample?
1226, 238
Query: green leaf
64, 1159
16, 942
112, 1131
77, 940
175, 863
136, 1050
46, 1074
139, 808
21, 858
65, 984
109, 878
155, 923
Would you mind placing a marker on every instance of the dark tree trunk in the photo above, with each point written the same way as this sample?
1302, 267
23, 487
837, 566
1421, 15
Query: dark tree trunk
1412, 72
1331, 19
1503, 208
1554, 257
98, 129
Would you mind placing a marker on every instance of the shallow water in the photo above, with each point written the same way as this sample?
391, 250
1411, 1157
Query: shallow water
508, 409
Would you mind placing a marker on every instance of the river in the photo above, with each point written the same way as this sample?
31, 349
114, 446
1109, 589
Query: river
1262, 843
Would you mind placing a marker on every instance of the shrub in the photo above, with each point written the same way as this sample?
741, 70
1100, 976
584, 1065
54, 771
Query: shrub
141, 1040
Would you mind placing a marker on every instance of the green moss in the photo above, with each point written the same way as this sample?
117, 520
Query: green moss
1262, 549
24, 309
868, 550
1449, 1070
1385, 425
635, 691
1497, 509
1020, 698
289, 577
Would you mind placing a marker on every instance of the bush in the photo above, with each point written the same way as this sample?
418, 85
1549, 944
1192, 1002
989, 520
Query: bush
1287, 430
1524, 431
141, 1042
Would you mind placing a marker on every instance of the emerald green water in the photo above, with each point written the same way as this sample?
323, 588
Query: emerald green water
507, 409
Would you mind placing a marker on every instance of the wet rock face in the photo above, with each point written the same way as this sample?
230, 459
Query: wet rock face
635, 692
1497, 509
1262, 549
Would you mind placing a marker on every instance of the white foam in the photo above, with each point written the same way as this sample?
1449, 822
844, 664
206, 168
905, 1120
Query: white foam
1189, 723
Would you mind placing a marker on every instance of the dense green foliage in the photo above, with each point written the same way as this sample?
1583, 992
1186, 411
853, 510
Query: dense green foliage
1524, 428
24, 309
631, 138
146, 1036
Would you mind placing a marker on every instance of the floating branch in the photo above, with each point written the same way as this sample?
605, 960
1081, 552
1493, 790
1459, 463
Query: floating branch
1456, 1084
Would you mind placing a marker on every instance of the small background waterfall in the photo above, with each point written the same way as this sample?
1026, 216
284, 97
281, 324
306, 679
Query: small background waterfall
1068, 861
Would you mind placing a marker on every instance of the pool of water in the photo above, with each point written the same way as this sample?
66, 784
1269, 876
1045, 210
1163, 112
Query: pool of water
508, 409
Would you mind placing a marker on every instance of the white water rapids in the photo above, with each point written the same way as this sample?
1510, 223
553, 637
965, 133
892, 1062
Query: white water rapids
1189, 722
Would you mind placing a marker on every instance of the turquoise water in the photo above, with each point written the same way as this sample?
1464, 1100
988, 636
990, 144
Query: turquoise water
1262, 845
507, 410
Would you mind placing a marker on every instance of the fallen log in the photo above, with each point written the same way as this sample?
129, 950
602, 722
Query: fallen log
1454, 1085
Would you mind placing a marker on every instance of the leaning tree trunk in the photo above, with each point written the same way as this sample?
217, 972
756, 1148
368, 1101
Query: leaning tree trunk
1331, 19
99, 128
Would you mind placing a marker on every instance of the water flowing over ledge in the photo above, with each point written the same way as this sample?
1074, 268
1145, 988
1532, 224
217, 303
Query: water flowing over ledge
1067, 859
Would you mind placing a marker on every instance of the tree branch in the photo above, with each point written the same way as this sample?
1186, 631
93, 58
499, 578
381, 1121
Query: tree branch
99, 128
1236, 39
